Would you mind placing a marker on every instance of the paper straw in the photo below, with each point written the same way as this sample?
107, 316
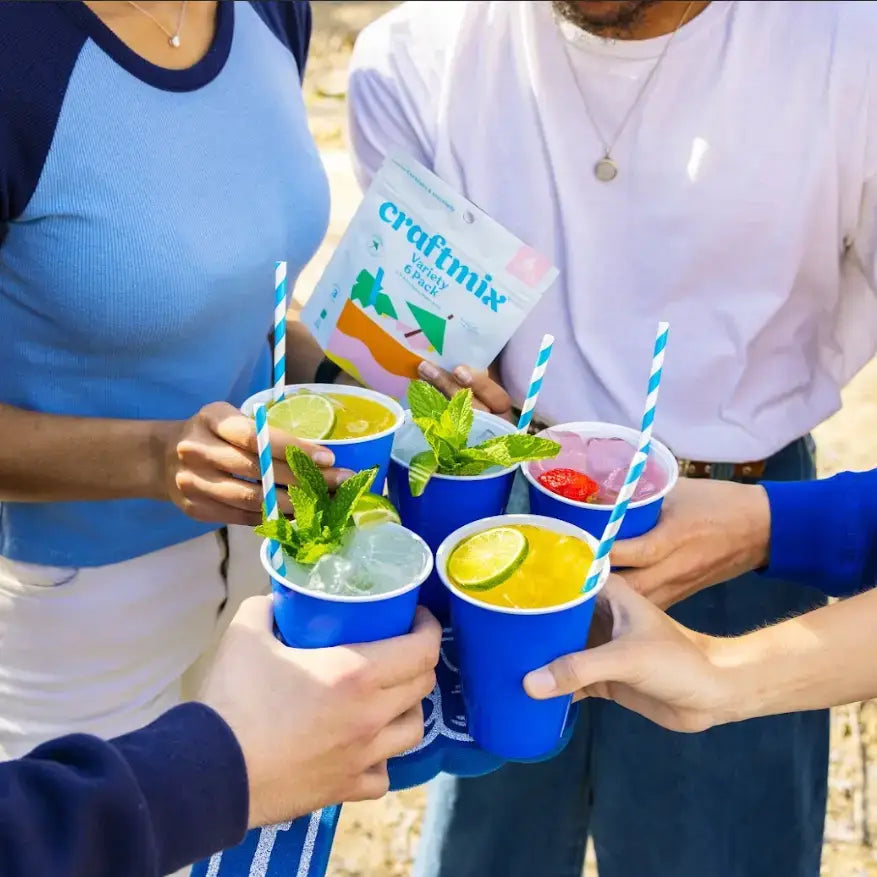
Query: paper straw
637, 464
266, 470
535, 383
279, 329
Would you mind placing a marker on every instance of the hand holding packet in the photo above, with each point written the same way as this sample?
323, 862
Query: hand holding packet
421, 273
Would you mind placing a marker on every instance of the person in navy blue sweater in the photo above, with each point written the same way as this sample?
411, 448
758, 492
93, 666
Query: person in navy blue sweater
279, 732
822, 534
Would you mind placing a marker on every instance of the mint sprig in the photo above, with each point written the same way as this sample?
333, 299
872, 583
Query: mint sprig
321, 520
446, 425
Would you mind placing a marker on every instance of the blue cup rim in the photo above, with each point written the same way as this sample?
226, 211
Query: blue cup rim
343, 598
558, 526
389, 402
599, 429
479, 415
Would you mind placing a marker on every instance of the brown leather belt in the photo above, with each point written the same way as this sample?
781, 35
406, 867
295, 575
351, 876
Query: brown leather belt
723, 471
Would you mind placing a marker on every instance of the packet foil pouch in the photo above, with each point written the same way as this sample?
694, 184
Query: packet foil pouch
421, 273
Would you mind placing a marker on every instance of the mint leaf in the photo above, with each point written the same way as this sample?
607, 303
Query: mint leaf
308, 476
282, 531
308, 516
421, 468
345, 500
425, 401
456, 421
494, 454
310, 552
518, 448
446, 426
444, 451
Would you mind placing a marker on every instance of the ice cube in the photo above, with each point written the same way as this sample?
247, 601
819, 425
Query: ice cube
386, 556
408, 442
608, 460
573, 453
338, 575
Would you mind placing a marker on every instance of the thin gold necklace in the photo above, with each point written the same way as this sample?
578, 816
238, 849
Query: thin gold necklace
606, 169
173, 37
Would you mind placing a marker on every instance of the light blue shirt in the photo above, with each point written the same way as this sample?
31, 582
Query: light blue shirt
136, 269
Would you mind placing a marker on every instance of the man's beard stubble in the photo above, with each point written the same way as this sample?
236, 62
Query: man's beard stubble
617, 21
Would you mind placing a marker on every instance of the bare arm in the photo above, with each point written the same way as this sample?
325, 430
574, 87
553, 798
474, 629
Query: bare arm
687, 681
207, 465
52, 458
822, 659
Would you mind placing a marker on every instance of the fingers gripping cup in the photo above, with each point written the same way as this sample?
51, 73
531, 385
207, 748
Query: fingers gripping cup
600, 454
516, 604
356, 424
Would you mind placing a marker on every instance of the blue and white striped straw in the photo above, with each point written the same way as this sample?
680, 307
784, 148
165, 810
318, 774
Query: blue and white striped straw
280, 309
266, 471
637, 464
529, 405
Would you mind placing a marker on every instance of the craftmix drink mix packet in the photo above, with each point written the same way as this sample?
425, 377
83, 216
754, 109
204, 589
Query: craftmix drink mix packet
421, 273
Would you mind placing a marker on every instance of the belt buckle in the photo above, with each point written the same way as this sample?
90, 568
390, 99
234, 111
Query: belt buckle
686, 468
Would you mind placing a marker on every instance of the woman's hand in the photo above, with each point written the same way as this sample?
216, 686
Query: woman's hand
207, 457
488, 394
709, 532
644, 661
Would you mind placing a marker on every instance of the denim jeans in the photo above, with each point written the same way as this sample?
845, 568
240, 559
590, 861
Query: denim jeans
742, 800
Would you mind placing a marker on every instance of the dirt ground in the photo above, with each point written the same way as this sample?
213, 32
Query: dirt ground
380, 839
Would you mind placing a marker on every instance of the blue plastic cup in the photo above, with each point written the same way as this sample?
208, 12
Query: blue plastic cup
641, 516
355, 454
498, 646
448, 503
314, 620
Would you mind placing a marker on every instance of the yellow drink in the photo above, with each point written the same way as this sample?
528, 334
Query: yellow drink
552, 573
327, 416
357, 417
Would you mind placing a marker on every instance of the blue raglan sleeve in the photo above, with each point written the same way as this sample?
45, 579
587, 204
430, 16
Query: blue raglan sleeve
824, 533
142, 805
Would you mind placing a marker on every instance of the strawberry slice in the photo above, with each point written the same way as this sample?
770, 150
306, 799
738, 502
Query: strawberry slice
570, 484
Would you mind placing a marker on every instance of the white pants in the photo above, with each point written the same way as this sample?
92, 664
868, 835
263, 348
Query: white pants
106, 650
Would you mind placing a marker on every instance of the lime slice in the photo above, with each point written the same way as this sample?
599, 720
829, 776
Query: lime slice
306, 416
487, 559
373, 509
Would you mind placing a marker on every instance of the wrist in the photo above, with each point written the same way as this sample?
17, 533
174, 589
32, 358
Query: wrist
758, 512
153, 466
744, 677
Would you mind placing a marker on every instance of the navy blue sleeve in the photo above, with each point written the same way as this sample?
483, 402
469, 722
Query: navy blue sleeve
824, 533
38, 50
142, 805
290, 21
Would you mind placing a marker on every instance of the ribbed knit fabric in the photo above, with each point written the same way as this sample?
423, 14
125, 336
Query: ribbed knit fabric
141, 212
824, 533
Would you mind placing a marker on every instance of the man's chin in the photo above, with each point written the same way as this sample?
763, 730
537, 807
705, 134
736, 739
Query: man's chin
598, 14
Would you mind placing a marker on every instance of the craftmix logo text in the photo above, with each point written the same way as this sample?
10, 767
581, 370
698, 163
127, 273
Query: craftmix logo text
433, 264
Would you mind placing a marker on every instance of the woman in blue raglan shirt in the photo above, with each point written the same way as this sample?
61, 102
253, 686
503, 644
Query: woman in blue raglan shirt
155, 161
820, 533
